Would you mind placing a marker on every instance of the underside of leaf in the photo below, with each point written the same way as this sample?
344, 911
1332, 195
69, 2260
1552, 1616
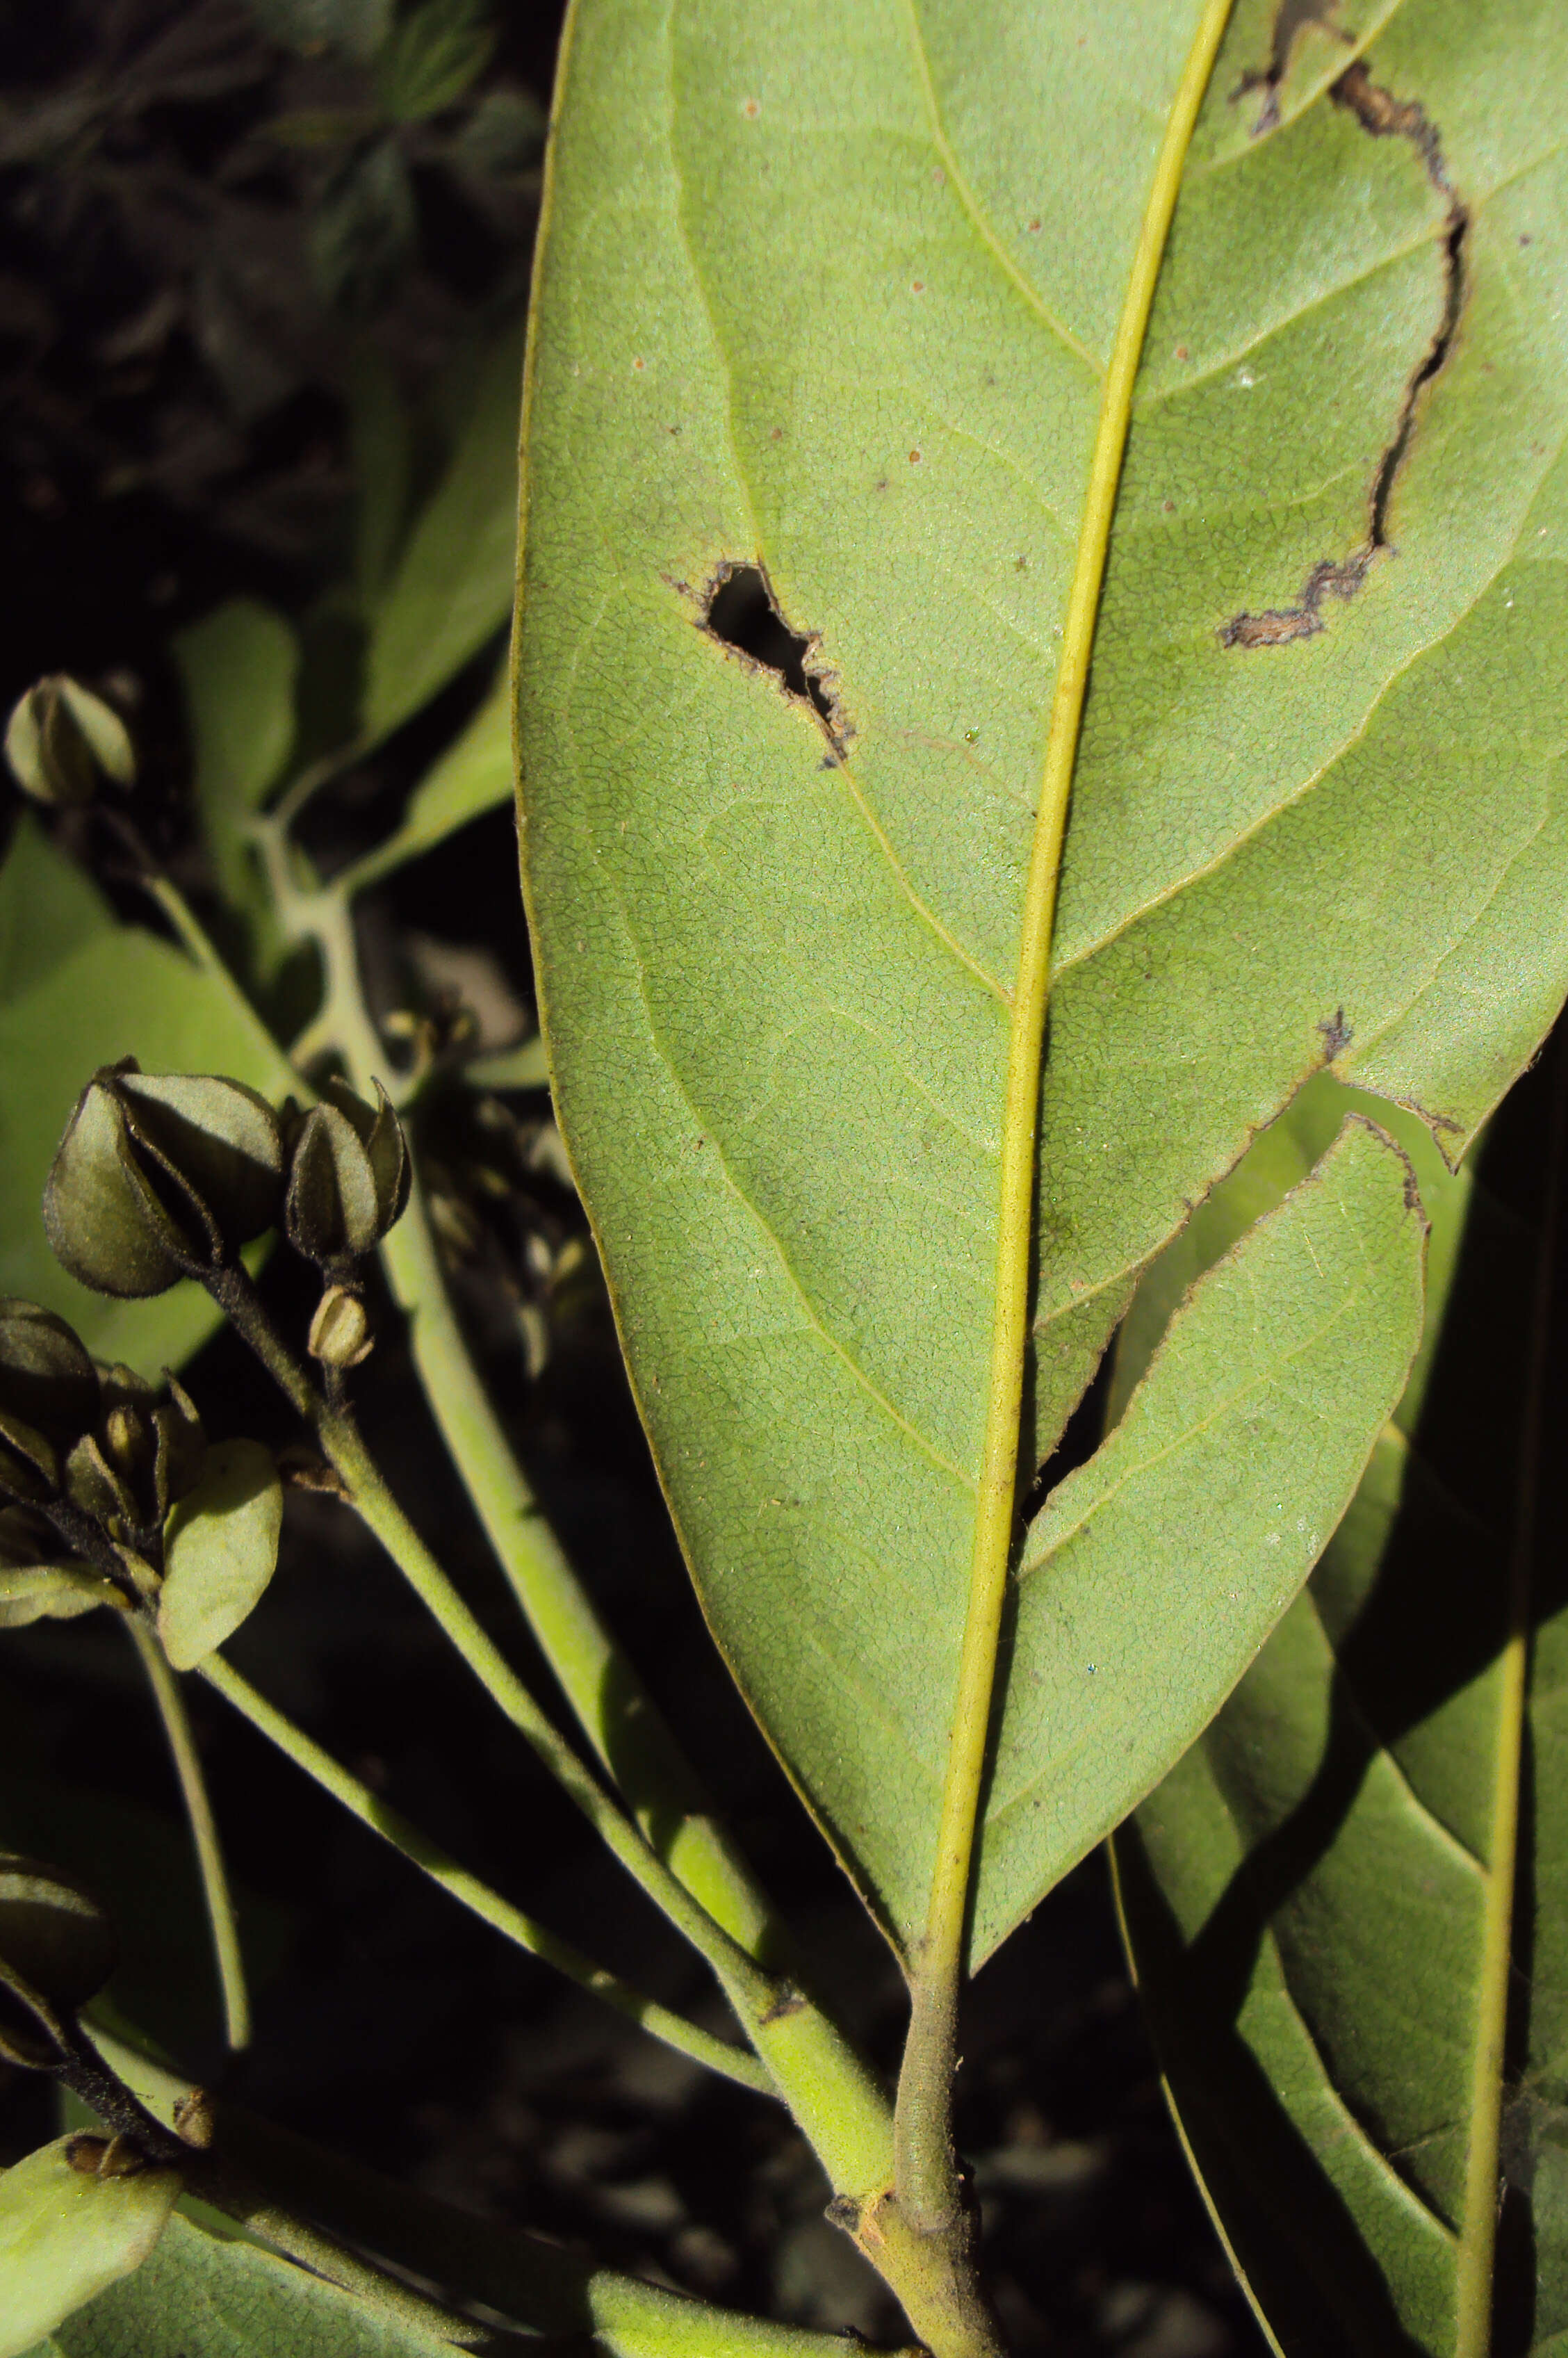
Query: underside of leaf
838, 338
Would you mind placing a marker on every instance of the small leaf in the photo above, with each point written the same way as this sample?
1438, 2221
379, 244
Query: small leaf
452, 589
220, 1551
50, 1592
474, 775
504, 135
239, 665
67, 2233
433, 56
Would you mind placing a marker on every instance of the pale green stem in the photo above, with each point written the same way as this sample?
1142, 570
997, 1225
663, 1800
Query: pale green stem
928, 2190
90, 2068
215, 1890
298, 2239
755, 1994
523, 1930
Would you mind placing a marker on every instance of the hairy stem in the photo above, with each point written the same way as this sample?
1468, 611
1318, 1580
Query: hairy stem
527, 1933
215, 1891
927, 2179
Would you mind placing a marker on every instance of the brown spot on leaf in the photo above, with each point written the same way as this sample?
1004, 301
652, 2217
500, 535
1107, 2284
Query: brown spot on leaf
1337, 1035
1291, 17
1382, 116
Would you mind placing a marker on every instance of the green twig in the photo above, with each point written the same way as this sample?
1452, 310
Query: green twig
755, 1991
525, 1930
215, 1890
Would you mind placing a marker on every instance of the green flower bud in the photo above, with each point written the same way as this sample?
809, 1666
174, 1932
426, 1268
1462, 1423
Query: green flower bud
94, 1483
49, 1395
340, 1331
348, 1178
61, 742
150, 1450
161, 1175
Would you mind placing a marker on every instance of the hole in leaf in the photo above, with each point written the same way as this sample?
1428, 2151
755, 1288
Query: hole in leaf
743, 613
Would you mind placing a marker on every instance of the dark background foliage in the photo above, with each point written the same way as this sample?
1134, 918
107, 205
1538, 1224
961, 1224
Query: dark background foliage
208, 224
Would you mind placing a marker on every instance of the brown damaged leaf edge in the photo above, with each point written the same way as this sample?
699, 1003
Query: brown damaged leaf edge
1293, 18
1382, 116
740, 614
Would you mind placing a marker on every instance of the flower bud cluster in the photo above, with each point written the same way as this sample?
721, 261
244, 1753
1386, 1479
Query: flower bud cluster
161, 1176
95, 1438
164, 1175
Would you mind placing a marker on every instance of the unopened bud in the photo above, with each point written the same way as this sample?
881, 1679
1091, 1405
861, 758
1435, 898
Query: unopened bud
348, 1179
161, 1175
61, 742
340, 1331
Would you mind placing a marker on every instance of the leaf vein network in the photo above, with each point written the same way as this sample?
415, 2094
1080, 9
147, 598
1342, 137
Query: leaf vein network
983, 230
1409, 2197
857, 793
813, 1317
1272, 1380
1263, 819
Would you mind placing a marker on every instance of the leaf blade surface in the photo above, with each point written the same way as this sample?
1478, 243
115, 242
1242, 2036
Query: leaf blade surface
804, 324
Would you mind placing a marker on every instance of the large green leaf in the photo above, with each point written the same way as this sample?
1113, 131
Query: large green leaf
829, 294
451, 588
79, 989
1328, 1913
